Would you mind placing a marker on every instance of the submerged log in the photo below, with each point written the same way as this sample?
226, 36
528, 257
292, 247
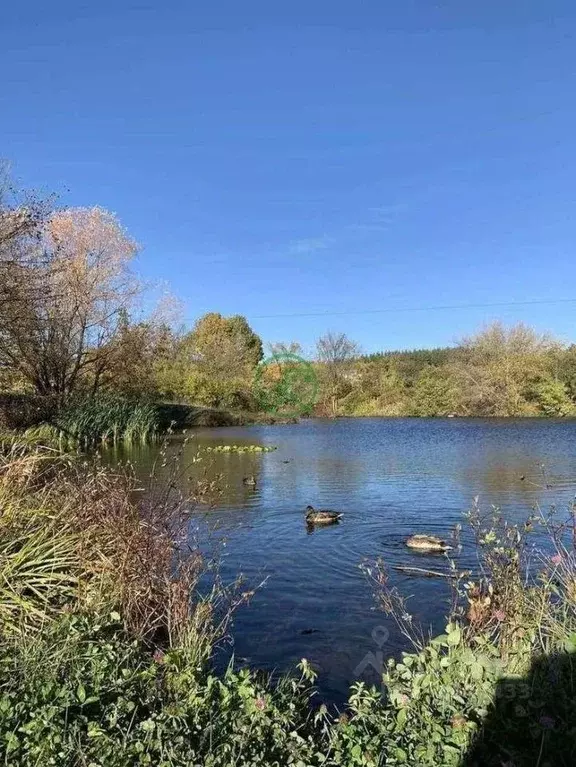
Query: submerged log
424, 572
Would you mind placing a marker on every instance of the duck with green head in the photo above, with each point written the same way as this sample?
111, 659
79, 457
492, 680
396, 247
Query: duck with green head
321, 516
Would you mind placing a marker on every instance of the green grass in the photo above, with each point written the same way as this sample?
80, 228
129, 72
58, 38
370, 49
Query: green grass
38, 566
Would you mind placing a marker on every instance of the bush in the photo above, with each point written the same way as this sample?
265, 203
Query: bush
85, 693
19, 411
552, 398
436, 701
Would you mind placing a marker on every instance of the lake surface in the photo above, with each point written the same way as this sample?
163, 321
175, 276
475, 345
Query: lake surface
390, 478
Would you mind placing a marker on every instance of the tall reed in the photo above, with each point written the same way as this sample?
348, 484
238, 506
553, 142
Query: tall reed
107, 420
72, 531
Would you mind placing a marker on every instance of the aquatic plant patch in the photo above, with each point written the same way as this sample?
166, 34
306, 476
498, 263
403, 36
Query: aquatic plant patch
107, 420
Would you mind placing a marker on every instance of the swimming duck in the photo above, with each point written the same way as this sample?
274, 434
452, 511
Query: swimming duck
427, 543
250, 480
321, 516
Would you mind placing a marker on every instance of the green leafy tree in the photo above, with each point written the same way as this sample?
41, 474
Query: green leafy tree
566, 370
378, 388
223, 353
497, 368
552, 398
434, 393
225, 344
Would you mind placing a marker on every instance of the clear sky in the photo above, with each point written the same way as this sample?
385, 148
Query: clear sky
289, 158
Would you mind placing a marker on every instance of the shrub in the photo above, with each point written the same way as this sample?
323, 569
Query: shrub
77, 531
436, 700
552, 398
19, 411
85, 693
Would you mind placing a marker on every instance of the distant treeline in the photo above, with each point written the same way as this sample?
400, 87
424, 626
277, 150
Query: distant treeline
72, 328
437, 356
498, 372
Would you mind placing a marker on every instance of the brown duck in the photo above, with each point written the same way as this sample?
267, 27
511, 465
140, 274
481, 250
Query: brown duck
427, 543
321, 516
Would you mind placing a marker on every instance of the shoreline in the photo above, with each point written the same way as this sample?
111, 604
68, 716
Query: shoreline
225, 419
21, 411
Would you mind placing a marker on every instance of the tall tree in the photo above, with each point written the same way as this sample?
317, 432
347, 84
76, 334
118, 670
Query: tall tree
225, 345
336, 353
17, 217
434, 393
57, 336
22, 217
497, 368
223, 352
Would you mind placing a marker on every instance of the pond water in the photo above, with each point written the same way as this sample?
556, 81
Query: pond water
390, 478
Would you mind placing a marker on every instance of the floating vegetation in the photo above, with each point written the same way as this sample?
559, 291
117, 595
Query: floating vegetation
240, 449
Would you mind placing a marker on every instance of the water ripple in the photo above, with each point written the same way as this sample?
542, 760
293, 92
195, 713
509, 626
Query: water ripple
391, 478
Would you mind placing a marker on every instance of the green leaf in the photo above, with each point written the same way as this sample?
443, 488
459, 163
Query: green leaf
357, 751
401, 717
12, 742
570, 643
454, 636
477, 671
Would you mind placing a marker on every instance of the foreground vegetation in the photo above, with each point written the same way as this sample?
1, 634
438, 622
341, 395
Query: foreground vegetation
110, 617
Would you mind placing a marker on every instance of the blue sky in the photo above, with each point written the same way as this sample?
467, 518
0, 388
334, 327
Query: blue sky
310, 157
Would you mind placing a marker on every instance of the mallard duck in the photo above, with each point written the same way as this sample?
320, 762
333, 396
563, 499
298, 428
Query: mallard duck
427, 543
321, 516
250, 480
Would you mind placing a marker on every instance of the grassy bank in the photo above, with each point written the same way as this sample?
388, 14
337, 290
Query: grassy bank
183, 416
106, 641
88, 421
81, 420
